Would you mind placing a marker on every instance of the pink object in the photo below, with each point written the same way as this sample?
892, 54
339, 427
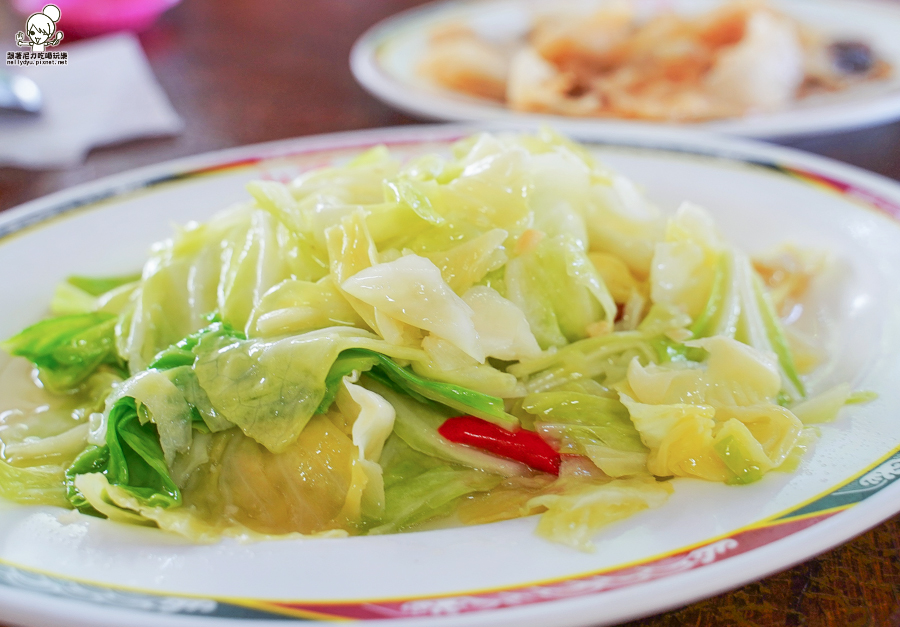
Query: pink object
86, 18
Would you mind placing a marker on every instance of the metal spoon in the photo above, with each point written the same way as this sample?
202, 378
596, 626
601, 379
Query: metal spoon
19, 94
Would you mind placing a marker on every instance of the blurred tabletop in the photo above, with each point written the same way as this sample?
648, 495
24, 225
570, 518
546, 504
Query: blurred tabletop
243, 71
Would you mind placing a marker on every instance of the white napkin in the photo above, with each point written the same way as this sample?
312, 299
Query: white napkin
106, 94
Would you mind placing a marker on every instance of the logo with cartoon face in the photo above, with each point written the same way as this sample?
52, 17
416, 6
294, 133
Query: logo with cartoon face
41, 30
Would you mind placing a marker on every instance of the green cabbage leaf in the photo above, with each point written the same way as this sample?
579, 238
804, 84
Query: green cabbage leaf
131, 459
68, 349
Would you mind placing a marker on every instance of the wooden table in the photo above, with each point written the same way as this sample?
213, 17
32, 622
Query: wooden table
243, 71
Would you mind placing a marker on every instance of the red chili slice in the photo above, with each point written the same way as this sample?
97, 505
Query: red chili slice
519, 445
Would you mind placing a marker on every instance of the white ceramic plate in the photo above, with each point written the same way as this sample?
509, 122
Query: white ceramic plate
62, 568
384, 61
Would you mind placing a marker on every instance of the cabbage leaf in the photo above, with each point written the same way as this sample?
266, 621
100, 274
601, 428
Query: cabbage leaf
419, 487
68, 349
131, 459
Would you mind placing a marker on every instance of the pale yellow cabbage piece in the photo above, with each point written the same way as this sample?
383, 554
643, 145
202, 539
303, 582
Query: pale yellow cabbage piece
684, 265
619, 280
616, 463
412, 291
579, 508
680, 439
248, 493
372, 422
118, 505
224, 265
294, 307
734, 374
621, 221
321, 198
272, 388
351, 251
492, 189
445, 362
775, 428
250, 269
561, 184
466, 264
717, 421
502, 329
823, 407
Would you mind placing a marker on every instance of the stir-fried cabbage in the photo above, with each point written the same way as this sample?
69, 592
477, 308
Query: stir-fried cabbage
503, 330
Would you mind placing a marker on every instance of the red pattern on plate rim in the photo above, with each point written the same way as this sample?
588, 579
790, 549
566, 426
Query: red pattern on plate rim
677, 563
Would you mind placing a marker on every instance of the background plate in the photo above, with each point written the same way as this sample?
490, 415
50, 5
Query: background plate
62, 568
384, 60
